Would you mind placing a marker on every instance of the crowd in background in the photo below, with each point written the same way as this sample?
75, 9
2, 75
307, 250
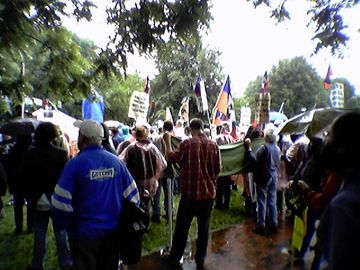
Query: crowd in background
285, 175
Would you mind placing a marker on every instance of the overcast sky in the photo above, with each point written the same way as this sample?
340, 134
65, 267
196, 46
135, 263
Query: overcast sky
250, 41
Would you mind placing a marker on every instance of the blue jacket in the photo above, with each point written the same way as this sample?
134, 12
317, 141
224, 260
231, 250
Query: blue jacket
88, 197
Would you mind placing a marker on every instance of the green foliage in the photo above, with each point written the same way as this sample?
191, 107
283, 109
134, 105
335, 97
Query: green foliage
179, 66
293, 82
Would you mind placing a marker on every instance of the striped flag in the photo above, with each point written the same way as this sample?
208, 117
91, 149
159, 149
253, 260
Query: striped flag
184, 110
200, 95
224, 107
327, 80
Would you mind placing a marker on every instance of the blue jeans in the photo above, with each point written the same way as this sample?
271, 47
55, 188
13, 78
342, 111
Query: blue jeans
41, 221
266, 202
188, 209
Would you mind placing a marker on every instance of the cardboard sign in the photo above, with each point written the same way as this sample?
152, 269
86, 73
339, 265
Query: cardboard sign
139, 104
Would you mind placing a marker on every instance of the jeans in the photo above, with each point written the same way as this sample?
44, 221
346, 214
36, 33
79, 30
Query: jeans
95, 254
266, 202
188, 209
41, 221
157, 203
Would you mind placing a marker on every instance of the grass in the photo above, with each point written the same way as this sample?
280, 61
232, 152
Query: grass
16, 250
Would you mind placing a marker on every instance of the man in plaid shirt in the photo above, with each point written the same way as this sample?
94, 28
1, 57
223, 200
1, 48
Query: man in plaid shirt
200, 163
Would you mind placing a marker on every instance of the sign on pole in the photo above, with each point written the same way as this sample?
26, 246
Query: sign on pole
139, 104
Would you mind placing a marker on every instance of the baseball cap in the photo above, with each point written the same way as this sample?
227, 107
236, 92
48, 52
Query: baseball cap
90, 128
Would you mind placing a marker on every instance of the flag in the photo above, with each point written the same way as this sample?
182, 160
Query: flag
200, 95
233, 132
327, 80
224, 107
184, 110
168, 116
147, 88
265, 83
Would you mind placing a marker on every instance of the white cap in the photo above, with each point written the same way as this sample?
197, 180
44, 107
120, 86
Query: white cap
91, 129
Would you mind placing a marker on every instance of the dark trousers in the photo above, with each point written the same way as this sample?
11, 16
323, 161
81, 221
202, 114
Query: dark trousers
188, 209
157, 203
19, 202
95, 254
223, 189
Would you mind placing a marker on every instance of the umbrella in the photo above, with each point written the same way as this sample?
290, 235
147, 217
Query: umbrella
313, 123
112, 123
18, 127
277, 117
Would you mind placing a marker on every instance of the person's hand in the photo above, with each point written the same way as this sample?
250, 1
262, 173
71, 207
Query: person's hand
166, 137
247, 144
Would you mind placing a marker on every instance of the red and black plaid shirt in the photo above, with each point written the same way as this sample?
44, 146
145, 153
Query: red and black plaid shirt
200, 163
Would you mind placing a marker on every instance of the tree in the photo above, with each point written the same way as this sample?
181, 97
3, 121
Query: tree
142, 26
293, 82
179, 65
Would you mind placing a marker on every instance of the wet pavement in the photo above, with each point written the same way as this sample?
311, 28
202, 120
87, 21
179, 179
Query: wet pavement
238, 248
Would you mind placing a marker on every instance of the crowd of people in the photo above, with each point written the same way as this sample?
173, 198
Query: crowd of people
84, 194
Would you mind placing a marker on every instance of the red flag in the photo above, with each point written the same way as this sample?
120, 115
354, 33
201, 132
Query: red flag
327, 80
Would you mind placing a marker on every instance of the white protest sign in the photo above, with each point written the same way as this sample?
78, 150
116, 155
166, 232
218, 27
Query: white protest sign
139, 104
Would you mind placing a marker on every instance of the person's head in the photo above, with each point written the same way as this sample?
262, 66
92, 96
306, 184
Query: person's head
45, 133
187, 131
341, 150
141, 133
90, 133
196, 126
179, 123
269, 135
168, 126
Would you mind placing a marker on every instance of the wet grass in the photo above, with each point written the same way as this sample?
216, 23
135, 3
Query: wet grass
16, 250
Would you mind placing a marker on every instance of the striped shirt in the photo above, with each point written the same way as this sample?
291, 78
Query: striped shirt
200, 163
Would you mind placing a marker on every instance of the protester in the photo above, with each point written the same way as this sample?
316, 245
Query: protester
339, 228
45, 162
200, 163
3, 187
88, 200
106, 143
167, 174
266, 164
16, 184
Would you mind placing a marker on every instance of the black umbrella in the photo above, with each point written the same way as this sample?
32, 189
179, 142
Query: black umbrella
312, 123
18, 127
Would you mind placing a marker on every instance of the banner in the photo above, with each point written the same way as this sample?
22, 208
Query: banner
337, 96
245, 118
263, 107
139, 104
